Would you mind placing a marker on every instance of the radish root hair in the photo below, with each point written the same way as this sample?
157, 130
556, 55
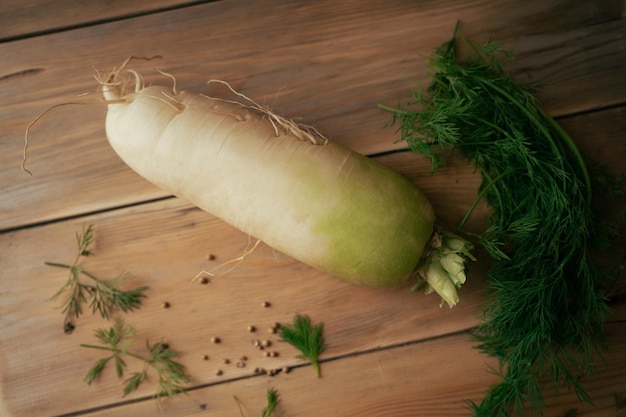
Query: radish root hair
301, 131
113, 77
236, 261
30, 126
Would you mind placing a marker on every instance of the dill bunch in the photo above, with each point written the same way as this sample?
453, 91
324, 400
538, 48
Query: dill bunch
546, 308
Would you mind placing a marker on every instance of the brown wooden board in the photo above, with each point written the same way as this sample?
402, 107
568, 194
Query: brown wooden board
27, 18
331, 63
328, 63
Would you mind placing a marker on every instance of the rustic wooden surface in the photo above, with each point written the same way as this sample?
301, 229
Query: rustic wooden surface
390, 352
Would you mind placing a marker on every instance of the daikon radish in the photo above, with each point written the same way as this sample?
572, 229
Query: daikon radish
278, 182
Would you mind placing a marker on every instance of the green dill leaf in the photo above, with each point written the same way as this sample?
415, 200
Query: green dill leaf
133, 382
105, 296
85, 240
119, 366
117, 340
272, 402
305, 337
96, 370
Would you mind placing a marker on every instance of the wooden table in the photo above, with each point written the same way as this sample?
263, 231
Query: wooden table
389, 352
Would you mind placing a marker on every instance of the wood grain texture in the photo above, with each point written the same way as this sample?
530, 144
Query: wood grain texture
332, 68
433, 378
167, 258
26, 18
390, 352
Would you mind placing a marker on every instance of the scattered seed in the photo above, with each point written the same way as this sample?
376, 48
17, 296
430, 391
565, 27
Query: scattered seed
265, 304
165, 304
215, 340
203, 407
243, 358
257, 370
226, 361
266, 354
210, 257
218, 372
277, 325
241, 364
272, 372
256, 342
68, 327
251, 329
204, 280
285, 369
266, 343
274, 354
205, 357
272, 330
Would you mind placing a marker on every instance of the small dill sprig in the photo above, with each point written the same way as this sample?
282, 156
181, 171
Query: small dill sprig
305, 337
160, 357
272, 402
546, 309
104, 296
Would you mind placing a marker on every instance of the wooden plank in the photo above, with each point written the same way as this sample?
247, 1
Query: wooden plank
434, 378
25, 18
332, 69
165, 245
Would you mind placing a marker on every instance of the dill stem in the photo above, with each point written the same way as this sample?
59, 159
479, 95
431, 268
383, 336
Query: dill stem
316, 366
480, 196
74, 268
115, 350
390, 109
561, 132
574, 150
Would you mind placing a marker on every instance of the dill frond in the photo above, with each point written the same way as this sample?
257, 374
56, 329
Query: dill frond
104, 296
117, 341
305, 337
272, 402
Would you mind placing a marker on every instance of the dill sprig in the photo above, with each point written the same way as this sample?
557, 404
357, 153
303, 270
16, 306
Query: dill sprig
160, 357
546, 312
272, 402
305, 337
104, 296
